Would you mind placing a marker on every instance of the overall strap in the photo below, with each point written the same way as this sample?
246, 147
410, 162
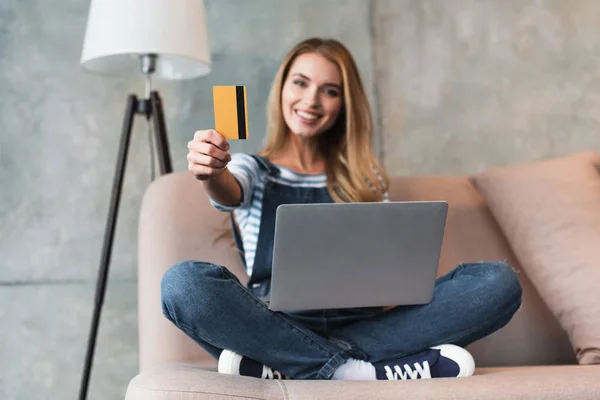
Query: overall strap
264, 164
237, 237
271, 170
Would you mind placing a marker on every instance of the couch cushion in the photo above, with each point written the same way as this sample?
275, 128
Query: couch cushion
533, 336
550, 213
187, 382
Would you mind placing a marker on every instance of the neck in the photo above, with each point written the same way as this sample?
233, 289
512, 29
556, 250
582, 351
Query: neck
301, 155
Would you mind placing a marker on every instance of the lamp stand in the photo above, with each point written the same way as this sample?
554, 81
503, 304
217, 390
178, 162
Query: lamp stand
151, 108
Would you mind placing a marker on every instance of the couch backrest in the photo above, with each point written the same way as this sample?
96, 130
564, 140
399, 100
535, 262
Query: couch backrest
177, 223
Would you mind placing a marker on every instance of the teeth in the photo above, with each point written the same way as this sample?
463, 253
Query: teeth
306, 115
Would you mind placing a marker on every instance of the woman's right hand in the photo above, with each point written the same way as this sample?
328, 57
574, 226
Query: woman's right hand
208, 154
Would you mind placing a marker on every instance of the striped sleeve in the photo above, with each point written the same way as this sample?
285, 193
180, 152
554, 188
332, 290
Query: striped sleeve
245, 170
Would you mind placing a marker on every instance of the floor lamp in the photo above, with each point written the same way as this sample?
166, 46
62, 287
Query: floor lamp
158, 38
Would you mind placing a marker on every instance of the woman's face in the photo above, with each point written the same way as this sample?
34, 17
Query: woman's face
312, 97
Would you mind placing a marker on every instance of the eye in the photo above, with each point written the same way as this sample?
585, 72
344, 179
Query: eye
299, 82
332, 92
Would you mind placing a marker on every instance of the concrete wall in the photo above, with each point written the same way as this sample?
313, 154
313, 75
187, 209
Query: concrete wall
469, 84
59, 134
456, 86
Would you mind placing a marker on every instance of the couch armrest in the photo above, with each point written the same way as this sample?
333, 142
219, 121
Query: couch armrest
177, 223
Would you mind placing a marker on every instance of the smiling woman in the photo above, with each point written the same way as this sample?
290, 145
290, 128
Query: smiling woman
318, 150
318, 90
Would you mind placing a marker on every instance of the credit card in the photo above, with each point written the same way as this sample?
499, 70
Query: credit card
231, 111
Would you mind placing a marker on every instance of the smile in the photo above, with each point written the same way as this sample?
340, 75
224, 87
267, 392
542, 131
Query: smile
307, 115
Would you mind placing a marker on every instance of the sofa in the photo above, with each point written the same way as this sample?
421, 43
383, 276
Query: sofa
538, 355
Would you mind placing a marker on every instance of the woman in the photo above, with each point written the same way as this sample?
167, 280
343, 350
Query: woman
319, 150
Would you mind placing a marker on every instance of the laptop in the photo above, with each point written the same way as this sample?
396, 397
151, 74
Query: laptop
346, 255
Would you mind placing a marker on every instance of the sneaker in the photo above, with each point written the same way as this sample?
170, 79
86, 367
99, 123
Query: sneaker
444, 361
236, 364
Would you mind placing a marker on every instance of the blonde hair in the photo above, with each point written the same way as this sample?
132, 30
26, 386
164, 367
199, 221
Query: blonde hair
353, 172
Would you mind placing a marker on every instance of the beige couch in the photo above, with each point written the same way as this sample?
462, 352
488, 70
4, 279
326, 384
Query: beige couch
530, 358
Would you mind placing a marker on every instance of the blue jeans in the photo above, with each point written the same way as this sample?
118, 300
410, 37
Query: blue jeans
211, 306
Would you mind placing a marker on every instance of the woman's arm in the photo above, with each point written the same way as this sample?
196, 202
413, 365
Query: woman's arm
224, 189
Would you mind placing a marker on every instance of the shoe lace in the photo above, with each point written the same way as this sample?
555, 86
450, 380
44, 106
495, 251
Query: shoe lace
408, 373
269, 373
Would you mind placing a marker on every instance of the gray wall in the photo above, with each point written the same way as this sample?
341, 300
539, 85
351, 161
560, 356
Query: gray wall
456, 86
469, 84
59, 135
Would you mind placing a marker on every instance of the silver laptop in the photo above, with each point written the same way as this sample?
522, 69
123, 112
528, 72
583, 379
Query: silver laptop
346, 255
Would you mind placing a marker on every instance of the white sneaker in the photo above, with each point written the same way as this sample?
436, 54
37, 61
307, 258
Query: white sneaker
236, 364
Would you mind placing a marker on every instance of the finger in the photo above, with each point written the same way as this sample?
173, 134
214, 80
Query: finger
217, 139
200, 170
201, 135
210, 150
211, 136
204, 160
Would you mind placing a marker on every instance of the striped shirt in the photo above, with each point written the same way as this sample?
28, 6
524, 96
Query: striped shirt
252, 178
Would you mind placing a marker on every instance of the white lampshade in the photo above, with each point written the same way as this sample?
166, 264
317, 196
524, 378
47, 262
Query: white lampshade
119, 31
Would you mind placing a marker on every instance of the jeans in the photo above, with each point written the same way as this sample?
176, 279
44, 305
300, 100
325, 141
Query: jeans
211, 306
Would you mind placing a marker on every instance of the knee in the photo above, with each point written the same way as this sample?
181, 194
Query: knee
185, 285
183, 276
503, 283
